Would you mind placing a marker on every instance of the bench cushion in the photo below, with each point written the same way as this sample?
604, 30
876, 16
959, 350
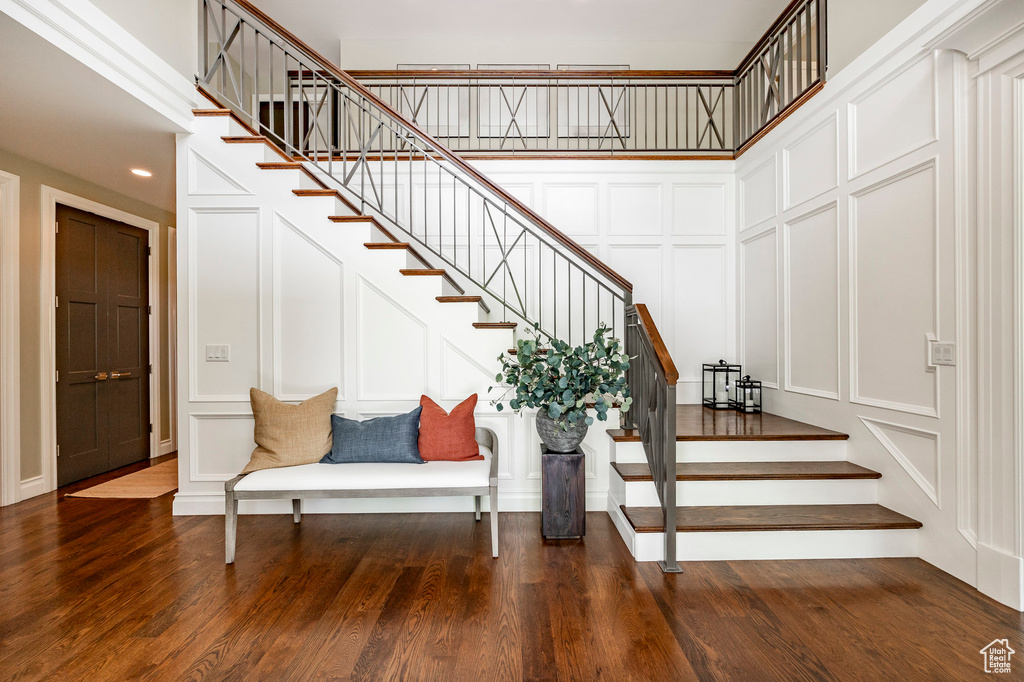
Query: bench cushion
367, 476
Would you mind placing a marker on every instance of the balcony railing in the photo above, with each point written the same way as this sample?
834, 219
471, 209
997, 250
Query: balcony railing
550, 112
630, 114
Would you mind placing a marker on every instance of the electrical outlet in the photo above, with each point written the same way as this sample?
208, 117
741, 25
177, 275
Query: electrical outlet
943, 354
218, 353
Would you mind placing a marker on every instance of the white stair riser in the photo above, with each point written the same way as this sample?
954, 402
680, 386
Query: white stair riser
728, 493
769, 545
218, 126
740, 451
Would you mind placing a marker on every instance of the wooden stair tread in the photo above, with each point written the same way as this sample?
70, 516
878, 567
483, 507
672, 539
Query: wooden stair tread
699, 423
325, 193
279, 165
459, 299
752, 471
245, 139
211, 112
422, 272
386, 245
771, 518
495, 325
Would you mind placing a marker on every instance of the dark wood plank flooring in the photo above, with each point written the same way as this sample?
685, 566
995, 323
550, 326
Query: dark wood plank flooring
751, 471
695, 422
121, 590
850, 517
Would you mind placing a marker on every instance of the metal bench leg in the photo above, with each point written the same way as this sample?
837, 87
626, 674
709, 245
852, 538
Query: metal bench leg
494, 521
230, 526
476, 499
297, 510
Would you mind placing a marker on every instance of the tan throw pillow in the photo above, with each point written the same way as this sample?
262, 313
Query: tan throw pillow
287, 435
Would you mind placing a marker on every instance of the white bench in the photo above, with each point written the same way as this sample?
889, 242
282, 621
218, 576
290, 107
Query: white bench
319, 481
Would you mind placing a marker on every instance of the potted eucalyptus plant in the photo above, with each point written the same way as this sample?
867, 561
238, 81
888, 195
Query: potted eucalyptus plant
562, 382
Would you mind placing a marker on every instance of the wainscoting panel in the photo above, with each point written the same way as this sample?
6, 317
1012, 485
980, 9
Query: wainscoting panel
701, 329
916, 450
634, 209
391, 350
309, 349
811, 164
758, 194
699, 210
224, 263
572, 208
893, 282
759, 314
221, 445
641, 265
811, 306
877, 133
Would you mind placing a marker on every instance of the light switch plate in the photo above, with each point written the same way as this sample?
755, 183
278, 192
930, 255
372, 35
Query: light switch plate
218, 352
943, 354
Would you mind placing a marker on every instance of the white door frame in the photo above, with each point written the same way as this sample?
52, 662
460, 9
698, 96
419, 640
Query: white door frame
10, 341
169, 443
47, 319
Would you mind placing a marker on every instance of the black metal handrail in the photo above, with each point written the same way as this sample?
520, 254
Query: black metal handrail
652, 378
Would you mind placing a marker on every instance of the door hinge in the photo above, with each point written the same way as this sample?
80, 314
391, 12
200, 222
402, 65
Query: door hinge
56, 301
149, 310
58, 451
57, 378
149, 251
151, 428
56, 227
151, 369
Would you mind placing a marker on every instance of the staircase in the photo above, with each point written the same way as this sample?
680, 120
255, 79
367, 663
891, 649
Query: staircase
424, 225
754, 487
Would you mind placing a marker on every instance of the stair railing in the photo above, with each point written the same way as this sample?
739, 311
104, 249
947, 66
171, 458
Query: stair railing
358, 144
652, 378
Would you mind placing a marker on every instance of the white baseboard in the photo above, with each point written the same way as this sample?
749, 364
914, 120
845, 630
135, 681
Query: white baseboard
166, 447
1001, 576
32, 487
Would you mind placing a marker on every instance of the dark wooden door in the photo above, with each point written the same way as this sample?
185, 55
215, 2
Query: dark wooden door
102, 325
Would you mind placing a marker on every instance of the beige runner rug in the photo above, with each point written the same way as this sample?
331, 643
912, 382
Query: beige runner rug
150, 482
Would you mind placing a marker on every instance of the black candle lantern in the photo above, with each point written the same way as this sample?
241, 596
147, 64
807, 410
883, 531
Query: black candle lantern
748, 396
720, 384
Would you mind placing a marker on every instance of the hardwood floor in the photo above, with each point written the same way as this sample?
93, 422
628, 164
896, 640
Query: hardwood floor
121, 590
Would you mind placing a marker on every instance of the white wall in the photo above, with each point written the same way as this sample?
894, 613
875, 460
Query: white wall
666, 226
168, 27
856, 235
851, 251
855, 25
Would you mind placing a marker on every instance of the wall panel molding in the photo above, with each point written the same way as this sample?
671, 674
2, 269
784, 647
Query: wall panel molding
885, 290
871, 121
929, 483
823, 300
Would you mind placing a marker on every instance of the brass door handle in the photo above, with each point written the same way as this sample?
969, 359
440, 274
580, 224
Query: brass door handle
102, 376
118, 375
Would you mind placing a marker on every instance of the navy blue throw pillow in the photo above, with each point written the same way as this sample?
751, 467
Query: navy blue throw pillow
384, 439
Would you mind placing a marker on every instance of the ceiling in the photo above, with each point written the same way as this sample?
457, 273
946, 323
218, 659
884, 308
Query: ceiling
323, 23
58, 112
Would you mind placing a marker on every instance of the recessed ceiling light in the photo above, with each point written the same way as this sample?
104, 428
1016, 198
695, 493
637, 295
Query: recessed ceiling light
142, 173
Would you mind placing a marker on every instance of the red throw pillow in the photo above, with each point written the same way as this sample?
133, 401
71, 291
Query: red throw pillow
448, 437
